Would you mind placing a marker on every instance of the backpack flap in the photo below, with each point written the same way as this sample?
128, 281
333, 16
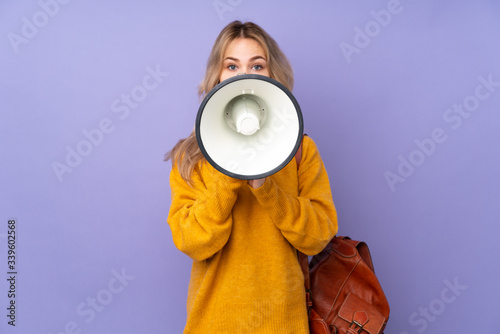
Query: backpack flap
359, 316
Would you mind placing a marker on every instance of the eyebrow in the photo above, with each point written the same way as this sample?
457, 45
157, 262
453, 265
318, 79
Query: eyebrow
251, 59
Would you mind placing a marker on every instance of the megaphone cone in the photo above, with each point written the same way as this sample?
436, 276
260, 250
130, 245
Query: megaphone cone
249, 126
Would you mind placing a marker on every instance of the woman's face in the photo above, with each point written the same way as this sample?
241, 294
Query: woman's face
246, 56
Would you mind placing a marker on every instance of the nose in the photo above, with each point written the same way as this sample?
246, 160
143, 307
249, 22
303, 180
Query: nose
240, 73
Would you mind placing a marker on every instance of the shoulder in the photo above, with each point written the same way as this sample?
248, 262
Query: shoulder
308, 143
197, 177
309, 149
310, 155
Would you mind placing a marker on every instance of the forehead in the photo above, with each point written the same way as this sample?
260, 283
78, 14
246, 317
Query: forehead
244, 47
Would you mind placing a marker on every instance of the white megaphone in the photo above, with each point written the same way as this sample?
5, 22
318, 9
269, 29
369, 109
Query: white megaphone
249, 126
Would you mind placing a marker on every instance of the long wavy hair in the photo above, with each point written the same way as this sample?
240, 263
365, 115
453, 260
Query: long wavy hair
186, 153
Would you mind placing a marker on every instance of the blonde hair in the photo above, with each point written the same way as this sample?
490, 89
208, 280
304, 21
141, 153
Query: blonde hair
186, 153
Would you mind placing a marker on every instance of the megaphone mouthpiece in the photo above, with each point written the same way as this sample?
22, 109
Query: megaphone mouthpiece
245, 113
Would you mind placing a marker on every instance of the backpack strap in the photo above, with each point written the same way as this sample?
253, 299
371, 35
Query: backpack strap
303, 259
304, 265
298, 155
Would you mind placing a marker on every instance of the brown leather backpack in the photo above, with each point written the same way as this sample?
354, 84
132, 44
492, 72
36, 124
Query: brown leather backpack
343, 295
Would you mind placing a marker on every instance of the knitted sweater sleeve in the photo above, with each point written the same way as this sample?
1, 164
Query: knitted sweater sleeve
308, 221
200, 214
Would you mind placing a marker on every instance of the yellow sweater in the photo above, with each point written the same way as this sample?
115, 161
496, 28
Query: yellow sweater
245, 276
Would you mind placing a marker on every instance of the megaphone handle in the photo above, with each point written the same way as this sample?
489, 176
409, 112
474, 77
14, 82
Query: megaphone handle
256, 183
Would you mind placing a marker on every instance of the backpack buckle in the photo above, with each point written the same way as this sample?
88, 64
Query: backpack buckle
359, 320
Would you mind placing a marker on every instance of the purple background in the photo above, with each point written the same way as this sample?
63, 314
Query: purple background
66, 69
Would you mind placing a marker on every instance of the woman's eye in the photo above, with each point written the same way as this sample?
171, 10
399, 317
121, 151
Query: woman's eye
232, 67
257, 67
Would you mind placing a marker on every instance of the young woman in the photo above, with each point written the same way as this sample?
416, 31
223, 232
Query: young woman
243, 235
